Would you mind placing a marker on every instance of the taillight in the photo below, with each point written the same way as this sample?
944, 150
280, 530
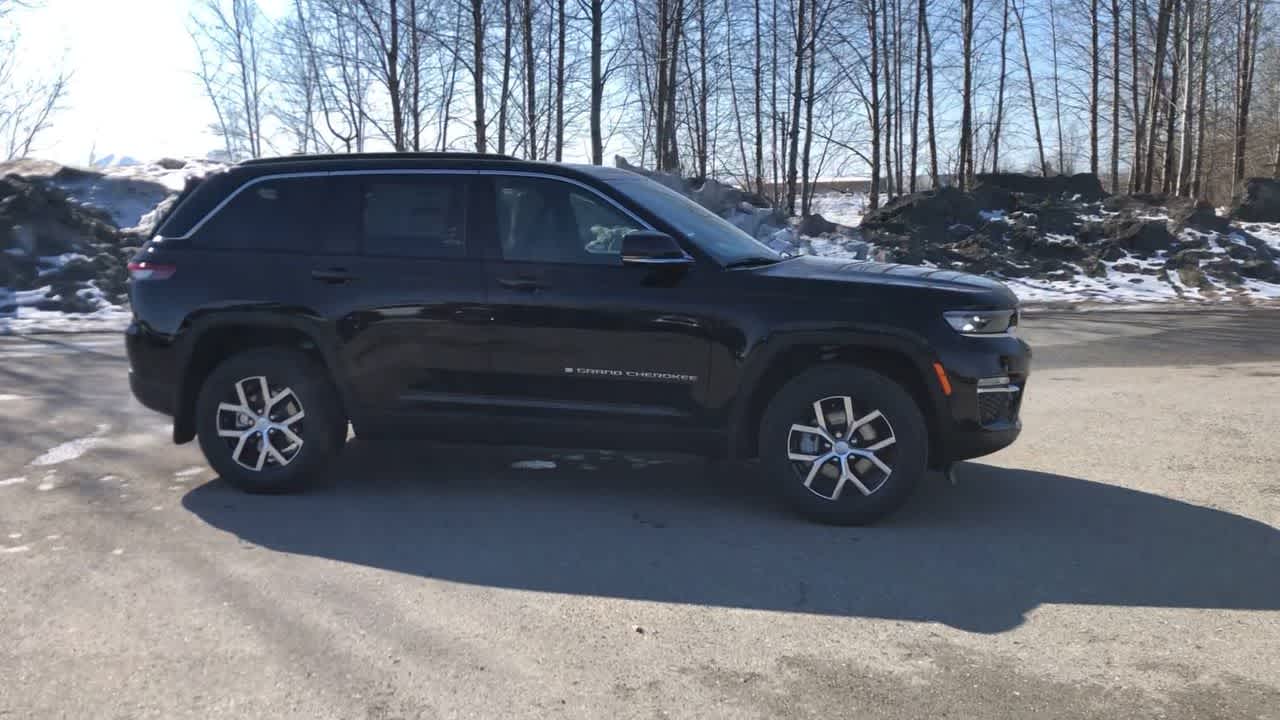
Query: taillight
151, 271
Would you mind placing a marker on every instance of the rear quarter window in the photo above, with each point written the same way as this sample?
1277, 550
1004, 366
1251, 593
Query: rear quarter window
278, 215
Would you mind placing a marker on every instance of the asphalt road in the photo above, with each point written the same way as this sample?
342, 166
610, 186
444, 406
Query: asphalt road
1121, 560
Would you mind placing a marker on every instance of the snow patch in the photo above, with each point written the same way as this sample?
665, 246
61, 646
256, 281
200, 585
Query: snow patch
12, 481
72, 449
534, 465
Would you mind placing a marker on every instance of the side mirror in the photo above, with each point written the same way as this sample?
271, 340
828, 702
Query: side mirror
646, 247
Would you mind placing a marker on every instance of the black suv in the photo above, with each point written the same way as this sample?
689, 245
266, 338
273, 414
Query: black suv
472, 296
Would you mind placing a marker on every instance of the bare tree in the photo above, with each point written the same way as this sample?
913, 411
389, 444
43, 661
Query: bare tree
1152, 107
965, 173
227, 35
1116, 100
1250, 28
1094, 22
797, 89
995, 133
1057, 91
1197, 171
477, 69
1031, 87
560, 43
530, 82
1183, 186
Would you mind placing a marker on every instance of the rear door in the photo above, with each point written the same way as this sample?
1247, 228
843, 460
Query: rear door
411, 321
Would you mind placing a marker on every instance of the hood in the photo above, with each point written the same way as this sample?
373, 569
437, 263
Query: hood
809, 267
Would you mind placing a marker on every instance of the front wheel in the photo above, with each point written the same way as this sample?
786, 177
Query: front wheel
845, 445
269, 421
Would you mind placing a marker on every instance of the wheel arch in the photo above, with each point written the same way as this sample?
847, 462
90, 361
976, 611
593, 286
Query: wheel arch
899, 359
211, 340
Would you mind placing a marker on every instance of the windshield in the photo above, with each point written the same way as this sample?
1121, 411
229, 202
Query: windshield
719, 238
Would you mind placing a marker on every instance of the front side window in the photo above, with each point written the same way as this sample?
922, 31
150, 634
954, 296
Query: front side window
414, 216
274, 215
717, 236
551, 221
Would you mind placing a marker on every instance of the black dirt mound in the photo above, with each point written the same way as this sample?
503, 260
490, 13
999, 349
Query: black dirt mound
49, 240
1084, 186
1259, 202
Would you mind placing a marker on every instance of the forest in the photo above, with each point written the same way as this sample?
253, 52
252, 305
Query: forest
1180, 97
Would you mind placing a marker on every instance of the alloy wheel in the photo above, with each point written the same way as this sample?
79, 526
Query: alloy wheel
835, 448
261, 424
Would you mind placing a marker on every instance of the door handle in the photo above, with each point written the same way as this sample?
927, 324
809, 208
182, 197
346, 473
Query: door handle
522, 284
333, 276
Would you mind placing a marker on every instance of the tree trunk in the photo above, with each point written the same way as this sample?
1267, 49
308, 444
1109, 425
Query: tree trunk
806, 192
995, 133
1163, 21
530, 87
759, 86
1115, 97
1057, 92
1094, 20
477, 69
733, 98
597, 81
1184, 156
1167, 184
917, 79
1139, 119
560, 41
873, 35
934, 180
966, 94
1031, 86
1197, 172
887, 70
796, 91
505, 95
1246, 62
704, 132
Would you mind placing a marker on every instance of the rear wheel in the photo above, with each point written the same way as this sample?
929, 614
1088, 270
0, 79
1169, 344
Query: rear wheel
268, 420
846, 445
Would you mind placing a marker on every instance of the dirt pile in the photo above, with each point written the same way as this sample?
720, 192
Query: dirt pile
1014, 226
1259, 201
72, 251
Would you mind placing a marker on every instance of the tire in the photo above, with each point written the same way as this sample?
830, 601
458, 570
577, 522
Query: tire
848, 488
321, 427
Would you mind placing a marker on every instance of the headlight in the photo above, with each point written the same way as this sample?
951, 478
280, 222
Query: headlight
982, 322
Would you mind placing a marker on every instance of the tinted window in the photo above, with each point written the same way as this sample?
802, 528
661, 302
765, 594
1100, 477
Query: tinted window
543, 220
721, 239
414, 216
272, 215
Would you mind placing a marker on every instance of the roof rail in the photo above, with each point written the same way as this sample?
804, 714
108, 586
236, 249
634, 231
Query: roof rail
299, 158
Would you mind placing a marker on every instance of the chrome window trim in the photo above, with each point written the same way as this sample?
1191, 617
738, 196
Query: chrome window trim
410, 171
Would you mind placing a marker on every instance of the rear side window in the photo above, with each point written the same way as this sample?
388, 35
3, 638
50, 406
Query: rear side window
419, 216
271, 216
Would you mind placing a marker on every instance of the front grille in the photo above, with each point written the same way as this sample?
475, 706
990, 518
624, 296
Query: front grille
998, 406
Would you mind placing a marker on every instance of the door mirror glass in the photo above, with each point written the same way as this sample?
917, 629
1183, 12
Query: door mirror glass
646, 247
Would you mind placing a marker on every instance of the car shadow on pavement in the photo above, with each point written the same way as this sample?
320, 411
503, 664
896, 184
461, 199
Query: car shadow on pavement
977, 556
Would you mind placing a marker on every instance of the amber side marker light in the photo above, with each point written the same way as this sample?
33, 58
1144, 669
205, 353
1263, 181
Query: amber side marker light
943, 380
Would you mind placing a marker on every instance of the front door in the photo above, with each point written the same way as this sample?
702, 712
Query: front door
574, 331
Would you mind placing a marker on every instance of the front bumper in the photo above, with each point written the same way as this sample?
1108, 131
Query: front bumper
989, 381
